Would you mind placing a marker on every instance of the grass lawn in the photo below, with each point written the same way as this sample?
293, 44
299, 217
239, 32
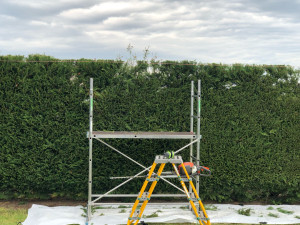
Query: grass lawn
11, 216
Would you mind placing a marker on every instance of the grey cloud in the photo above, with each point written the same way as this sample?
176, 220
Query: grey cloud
27, 12
279, 8
249, 31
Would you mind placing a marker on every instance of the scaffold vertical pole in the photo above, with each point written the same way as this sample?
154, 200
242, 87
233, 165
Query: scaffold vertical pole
192, 123
198, 130
89, 211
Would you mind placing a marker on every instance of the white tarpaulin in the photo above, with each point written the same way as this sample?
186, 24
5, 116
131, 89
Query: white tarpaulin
218, 213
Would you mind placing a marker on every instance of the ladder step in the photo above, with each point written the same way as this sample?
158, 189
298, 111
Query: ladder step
134, 218
203, 218
194, 199
143, 199
144, 196
153, 178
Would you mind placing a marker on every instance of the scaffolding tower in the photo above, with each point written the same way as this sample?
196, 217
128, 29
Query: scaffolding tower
193, 137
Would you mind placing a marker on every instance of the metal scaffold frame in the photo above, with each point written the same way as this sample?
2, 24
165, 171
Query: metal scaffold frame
193, 137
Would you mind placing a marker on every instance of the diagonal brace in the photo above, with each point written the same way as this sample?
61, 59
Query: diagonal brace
111, 147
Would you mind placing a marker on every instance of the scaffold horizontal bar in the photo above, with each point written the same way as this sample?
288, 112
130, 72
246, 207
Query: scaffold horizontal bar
143, 135
126, 177
149, 203
135, 195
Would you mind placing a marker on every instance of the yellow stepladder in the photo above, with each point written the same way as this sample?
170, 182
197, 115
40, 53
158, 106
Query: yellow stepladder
145, 196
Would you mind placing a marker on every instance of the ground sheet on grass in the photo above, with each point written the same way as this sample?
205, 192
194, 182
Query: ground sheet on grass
114, 214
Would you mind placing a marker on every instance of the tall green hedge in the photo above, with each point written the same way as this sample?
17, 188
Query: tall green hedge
250, 125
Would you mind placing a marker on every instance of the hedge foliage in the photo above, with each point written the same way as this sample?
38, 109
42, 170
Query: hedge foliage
250, 125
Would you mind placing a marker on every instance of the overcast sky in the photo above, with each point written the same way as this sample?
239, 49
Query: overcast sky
219, 31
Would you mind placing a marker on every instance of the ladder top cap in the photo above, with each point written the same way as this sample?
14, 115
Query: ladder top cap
162, 159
